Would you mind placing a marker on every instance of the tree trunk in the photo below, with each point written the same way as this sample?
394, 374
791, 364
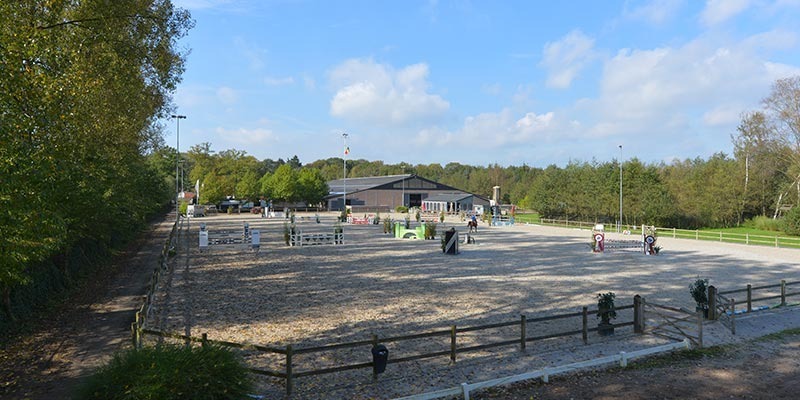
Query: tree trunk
7, 302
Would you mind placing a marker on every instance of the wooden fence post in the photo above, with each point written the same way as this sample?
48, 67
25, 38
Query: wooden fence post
523, 331
733, 316
783, 292
453, 344
138, 336
204, 340
585, 325
374, 345
638, 314
289, 380
712, 302
700, 328
749, 298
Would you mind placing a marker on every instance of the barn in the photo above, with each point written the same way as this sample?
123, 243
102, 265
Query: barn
379, 193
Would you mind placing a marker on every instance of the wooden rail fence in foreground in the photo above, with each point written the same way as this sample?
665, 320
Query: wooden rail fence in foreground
722, 306
289, 374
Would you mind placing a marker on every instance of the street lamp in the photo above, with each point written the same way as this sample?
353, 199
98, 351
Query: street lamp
619, 226
344, 165
178, 119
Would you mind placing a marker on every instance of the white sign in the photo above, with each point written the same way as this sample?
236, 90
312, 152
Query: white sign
255, 238
203, 239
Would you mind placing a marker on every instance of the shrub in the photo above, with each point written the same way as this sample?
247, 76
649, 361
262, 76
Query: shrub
401, 209
430, 230
765, 223
791, 221
699, 291
605, 307
169, 372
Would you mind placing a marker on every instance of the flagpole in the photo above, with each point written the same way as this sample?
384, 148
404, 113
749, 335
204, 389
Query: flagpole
344, 168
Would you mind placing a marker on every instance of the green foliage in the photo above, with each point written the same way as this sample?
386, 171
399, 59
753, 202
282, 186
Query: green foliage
765, 223
83, 87
401, 209
283, 184
699, 291
430, 230
791, 221
605, 307
169, 372
387, 225
417, 215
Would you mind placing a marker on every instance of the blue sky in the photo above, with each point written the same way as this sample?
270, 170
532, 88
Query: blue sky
480, 82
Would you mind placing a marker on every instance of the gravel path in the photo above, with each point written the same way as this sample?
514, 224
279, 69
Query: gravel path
375, 284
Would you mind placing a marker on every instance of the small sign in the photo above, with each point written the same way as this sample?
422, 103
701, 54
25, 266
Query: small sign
203, 239
255, 238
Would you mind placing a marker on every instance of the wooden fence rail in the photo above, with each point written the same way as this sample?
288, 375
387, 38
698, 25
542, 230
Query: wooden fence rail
722, 307
289, 374
675, 233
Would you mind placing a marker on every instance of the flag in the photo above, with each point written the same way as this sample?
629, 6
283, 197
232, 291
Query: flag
347, 150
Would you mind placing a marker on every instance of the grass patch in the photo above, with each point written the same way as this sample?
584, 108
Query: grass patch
683, 355
779, 335
531, 218
169, 372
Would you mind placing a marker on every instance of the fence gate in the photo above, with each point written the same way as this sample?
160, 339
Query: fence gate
722, 309
671, 323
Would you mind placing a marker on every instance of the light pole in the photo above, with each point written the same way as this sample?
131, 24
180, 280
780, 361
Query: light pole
619, 226
178, 119
344, 168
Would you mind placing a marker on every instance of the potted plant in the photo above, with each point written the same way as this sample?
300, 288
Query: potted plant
699, 291
606, 312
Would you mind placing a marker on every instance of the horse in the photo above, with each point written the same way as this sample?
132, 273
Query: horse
473, 226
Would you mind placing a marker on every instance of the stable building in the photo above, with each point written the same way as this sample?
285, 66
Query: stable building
378, 193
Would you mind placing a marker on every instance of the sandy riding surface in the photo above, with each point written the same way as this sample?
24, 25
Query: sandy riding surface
375, 284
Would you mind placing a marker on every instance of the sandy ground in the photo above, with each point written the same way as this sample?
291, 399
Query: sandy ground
375, 284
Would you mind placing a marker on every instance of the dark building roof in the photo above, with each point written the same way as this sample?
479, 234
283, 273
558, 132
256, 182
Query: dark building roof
365, 183
449, 197
412, 182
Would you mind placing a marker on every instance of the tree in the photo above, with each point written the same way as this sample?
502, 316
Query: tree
282, 185
82, 85
311, 186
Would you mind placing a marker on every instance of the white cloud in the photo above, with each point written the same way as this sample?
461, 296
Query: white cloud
227, 95
377, 93
565, 58
654, 12
247, 136
273, 81
718, 11
498, 129
699, 84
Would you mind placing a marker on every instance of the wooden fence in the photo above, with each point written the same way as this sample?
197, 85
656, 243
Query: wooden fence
726, 237
170, 246
289, 352
722, 305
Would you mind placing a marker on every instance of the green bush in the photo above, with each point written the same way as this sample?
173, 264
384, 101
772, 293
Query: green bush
791, 221
430, 230
765, 223
169, 372
401, 209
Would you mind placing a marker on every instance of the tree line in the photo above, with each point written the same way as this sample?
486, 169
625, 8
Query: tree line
760, 178
83, 85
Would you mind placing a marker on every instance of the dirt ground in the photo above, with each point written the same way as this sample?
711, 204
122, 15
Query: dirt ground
766, 368
48, 361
